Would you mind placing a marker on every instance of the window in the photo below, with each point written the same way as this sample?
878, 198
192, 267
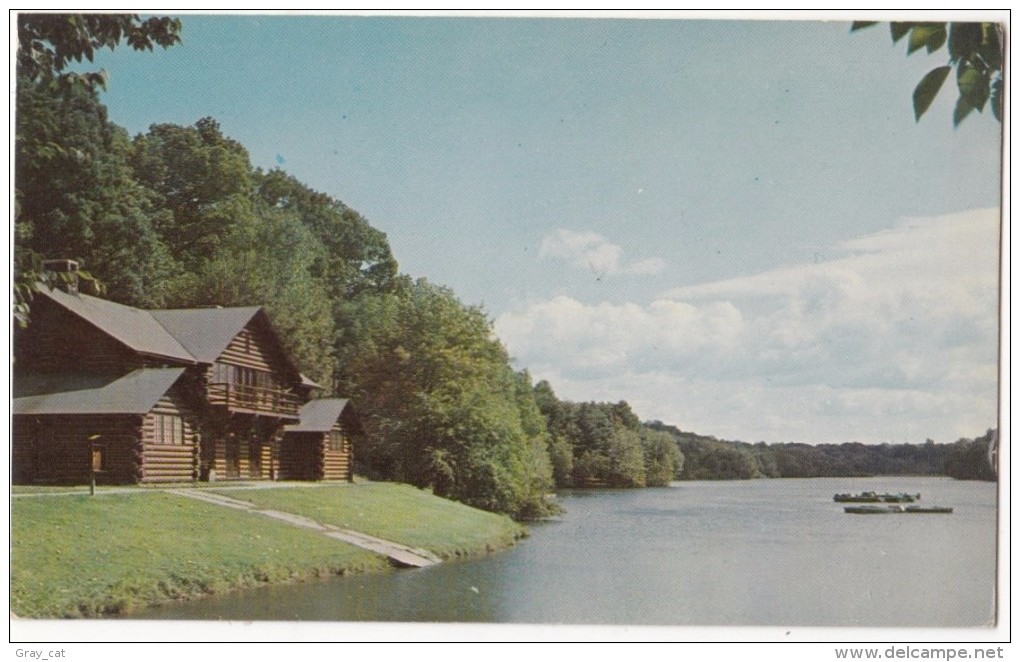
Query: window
222, 373
98, 458
169, 429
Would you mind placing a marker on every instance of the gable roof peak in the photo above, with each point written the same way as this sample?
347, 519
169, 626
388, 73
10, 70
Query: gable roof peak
132, 327
205, 332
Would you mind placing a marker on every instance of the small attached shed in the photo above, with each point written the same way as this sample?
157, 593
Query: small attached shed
138, 428
319, 446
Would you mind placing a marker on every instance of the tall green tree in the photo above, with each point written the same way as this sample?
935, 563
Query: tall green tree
231, 246
663, 459
47, 45
539, 445
76, 196
202, 181
357, 256
354, 265
266, 260
626, 458
442, 407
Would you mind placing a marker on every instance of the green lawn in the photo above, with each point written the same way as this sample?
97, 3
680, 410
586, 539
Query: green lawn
85, 556
396, 512
74, 555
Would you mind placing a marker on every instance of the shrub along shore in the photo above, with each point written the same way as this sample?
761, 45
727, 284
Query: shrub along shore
114, 553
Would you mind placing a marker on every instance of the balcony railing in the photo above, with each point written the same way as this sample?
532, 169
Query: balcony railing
253, 399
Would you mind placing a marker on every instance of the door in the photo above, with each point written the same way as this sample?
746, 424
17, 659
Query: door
254, 457
233, 456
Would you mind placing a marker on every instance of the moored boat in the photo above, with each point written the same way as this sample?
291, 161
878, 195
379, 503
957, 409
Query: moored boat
874, 497
895, 510
873, 510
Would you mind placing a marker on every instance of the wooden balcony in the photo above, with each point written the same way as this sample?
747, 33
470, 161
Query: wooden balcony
254, 400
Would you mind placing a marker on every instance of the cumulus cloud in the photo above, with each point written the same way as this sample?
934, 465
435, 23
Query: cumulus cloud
604, 339
896, 332
589, 250
900, 308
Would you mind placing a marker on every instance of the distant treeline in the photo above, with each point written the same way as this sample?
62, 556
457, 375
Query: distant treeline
708, 458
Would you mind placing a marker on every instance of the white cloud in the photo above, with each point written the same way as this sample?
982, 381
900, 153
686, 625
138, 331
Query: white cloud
589, 250
894, 336
651, 266
604, 339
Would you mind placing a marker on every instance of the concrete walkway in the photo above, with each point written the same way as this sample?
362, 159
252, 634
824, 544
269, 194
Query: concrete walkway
398, 554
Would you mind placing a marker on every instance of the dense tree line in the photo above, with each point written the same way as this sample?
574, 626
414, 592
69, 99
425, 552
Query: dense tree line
597, 444
708, 458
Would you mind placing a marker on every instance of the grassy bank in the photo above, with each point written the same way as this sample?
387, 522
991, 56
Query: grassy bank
395, 512
75, 555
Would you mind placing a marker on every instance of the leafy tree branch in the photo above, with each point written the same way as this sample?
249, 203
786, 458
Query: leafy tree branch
48, 43
974, 51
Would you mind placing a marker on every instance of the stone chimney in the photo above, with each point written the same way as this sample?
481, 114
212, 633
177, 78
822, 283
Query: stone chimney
67, 273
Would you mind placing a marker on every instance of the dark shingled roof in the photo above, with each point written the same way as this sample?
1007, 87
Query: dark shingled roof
205, 332
195, 335
188, 335
135, 393
133, 327
319, 415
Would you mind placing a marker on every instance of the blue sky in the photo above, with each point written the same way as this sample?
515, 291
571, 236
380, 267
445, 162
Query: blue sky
736, 226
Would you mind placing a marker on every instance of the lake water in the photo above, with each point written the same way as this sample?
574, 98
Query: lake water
763, 552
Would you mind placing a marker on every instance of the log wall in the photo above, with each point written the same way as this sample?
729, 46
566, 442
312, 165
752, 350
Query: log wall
249, 349
55, 449
307, 456
337, 465
167, 461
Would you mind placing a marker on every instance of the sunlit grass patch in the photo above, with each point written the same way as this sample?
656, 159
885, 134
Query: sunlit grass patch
396, 512
86, 556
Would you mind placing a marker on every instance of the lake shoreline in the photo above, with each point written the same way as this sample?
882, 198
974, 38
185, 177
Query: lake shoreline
111, 555
706, 553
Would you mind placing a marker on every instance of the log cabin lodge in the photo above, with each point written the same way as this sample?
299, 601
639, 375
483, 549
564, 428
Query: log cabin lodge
165, 396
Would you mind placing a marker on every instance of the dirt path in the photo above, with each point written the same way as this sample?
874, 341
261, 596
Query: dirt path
398, 554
